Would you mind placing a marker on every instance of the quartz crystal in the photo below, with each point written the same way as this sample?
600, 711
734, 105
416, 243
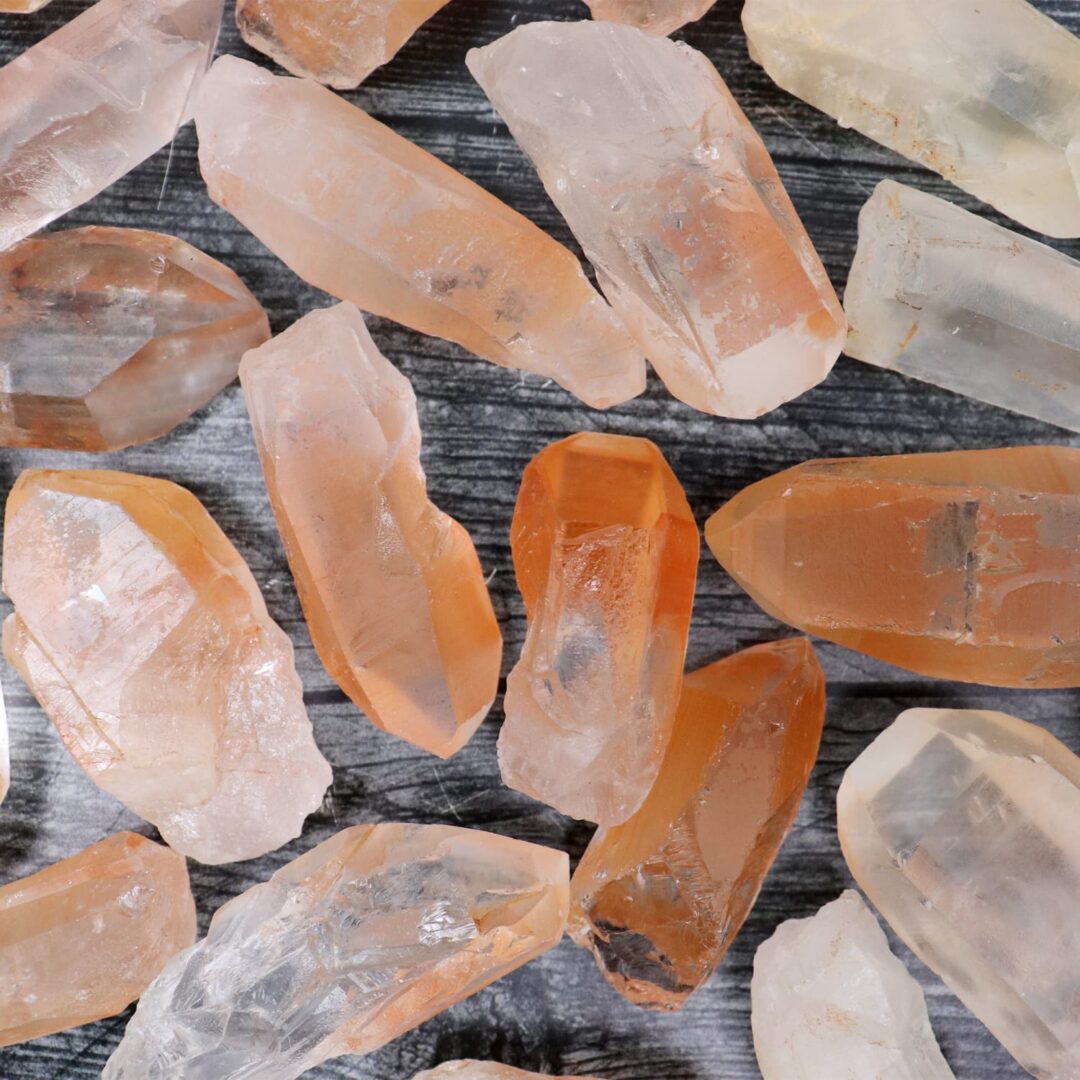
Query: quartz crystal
652, 16
82, 939
677, 203
347, 947
110, 337
984, 92
391, 586
831, 1002
945, 296
961, 565
605, 549
21, 7
337, 42
961, 828
143, 634
660, 898
417, 242
90, 102
485, 1070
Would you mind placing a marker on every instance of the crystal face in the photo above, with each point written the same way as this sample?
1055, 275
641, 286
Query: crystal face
652, 16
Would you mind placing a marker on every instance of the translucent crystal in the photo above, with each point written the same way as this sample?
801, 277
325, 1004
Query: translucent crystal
652, 16
23, 7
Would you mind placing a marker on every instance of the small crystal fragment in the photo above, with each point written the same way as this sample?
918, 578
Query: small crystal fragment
652, 16
961, 565
485, 1070
660, 898
605, 550
984, 92
392, 588
363, 938
22, 7
677, 204
141, 631
93, 100
82, 939
961, 828
830, 1000
421, 244
110, 336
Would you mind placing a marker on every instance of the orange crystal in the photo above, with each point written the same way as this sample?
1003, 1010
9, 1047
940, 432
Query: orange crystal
660, 898
960, 565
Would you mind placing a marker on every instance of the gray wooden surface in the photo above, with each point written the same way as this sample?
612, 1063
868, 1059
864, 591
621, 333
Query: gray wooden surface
481, 425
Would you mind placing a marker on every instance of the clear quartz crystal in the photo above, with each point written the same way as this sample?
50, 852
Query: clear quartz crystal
652, 16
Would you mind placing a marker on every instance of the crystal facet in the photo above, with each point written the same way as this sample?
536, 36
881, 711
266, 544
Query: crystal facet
110, 337
961, 828
421, 244
831, 1001
652, 16
660, 898
984, 92
91, 101
143, 634
605, 550
347, 947
391, 586
485, 1070
960, 565
677, 203
83, 938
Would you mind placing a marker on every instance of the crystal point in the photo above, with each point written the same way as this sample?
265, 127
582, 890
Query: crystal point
962, 565
22, 7
485, 1070
347, 947
652, 16
143, 634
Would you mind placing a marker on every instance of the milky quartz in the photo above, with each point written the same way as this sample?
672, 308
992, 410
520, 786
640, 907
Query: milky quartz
141, 631
605, 550
950, 298
91, 101
961, 828
110, 337
416, 242
347, 947
831, 1002
652, 16
337, 42
677, 204
660, 898
961, 565
82, 939
984, 92
484, 1070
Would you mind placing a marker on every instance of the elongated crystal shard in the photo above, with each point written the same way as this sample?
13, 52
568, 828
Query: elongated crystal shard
484, 1070
677, 204
961, 828
423, 245
141, 631
93, 100
652, 16
391, 586
347, 947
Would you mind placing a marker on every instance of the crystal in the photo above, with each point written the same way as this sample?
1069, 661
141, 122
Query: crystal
947, 297
336, 42
485, 1070
605, 550
652, 16
22, 7
960, 826
83, 938
660, 898
361, 939
984, 92
110, 336
391, 586
830, 999
677, 204
94, 99
423, 245
961, 565
143, 634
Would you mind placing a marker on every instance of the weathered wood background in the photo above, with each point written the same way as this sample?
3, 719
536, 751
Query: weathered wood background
481, 425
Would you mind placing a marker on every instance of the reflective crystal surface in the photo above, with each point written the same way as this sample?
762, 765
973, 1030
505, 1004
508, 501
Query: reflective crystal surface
652, 16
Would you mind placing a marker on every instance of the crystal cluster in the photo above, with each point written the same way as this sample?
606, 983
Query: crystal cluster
652, 16
485, 1070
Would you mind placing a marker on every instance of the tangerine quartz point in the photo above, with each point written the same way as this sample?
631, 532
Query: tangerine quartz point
392, 588
110, 336
83, 938
359, 940
141, 631
605, 550
659, 898
485, 1070
22, 7
653, 16
961, 565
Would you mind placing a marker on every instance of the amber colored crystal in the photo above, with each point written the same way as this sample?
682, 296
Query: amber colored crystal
660, 898
962, 565
22, 7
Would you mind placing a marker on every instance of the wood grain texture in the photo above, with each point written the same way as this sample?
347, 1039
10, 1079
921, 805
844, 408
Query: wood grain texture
481, 426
